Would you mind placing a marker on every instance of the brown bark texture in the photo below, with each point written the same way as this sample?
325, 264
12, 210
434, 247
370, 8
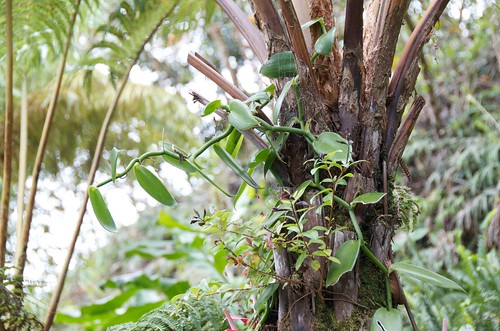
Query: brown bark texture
354, 93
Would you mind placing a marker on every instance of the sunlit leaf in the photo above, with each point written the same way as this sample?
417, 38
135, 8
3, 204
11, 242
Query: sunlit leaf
347, 254
280, 65
425, 275
101, 210
386, 320
153, 185
368, 198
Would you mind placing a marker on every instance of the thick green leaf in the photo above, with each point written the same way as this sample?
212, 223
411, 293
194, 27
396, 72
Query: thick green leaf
347, 254
386, 320
280, 65
101, 211
329, 142
231, 163
211, 107
115, 152
234, 142
368, 198
324, 43
240, 116
153, 185
281, 98
425, 275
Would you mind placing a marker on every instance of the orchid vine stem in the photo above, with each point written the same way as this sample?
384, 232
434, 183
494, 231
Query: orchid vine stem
139, 159
212, 141
274, 128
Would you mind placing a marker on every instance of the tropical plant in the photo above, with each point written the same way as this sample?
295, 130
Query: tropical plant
333, 146
42, 37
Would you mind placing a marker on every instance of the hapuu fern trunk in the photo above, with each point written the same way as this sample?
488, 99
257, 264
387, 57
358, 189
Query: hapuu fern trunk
351, 92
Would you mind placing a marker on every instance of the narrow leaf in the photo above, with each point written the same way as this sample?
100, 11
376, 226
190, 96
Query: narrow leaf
231, 163
115, 152
242, 188
347, 254
240, 116
279, 102
267, 293
280, 65
300, 260
425, 275
308, 24
101, 211
386, 320
153, 185
324, 43
368, 198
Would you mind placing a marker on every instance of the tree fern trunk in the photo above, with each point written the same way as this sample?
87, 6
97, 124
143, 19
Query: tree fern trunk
347, 94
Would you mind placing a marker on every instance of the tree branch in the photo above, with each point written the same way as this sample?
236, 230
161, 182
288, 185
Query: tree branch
405, 75
246, 28
9, 117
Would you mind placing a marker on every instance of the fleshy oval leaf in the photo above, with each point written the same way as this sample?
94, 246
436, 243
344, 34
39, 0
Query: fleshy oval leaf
153, 185
368, 198
347, 254
240, 116
101, 210
425, 275
280, 65
325, 42
211, 107
386, 320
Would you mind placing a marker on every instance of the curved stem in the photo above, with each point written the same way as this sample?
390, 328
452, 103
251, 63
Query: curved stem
274, 128
212, 141
139, 159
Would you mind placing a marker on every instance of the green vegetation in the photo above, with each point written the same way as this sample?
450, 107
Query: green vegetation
209, 256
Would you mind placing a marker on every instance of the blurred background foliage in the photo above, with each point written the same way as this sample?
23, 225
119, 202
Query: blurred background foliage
453, 156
